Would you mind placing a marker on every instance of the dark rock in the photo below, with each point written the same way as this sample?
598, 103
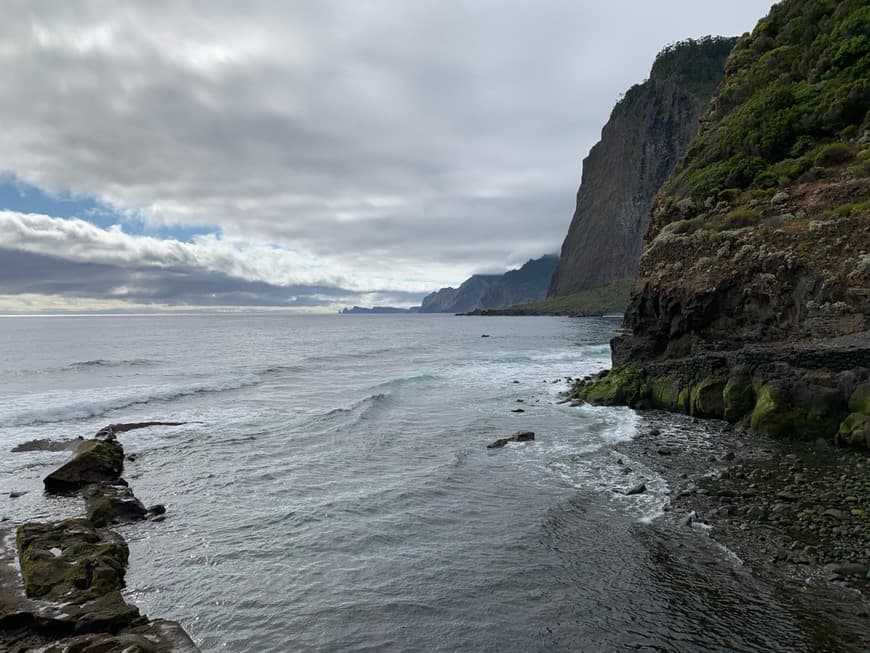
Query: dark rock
94, 461
79, 570
112, 430
157, 509
644, 137
640, 488
518, 410
112, 504
15, 495
47, 445
847, 569
519, 436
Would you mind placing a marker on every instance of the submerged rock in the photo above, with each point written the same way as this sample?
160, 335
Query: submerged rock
640, 488
94, 461
113, 429
47, 445
519, 436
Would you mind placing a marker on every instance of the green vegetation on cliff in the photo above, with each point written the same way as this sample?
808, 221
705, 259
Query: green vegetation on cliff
793, 91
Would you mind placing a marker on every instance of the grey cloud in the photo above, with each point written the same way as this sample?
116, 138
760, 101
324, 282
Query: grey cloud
422, 134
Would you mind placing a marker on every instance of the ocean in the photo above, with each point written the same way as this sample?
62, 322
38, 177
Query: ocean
332, 489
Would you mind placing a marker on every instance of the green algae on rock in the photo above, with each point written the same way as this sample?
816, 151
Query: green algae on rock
94, 461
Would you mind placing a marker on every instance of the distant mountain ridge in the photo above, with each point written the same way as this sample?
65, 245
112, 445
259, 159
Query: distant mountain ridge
648, 131
527, 284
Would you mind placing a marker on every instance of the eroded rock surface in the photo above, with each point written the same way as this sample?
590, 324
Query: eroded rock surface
94, 461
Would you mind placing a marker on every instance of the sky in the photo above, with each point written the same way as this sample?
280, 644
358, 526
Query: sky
304, 155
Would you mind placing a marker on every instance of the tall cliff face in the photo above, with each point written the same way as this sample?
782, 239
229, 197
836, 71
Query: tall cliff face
761, 234
527, 284
647, 132
752, 301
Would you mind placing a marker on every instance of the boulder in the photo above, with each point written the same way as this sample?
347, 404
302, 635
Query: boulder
107, 503
78, 568
94, 461
855, 431
640, 488
519, 436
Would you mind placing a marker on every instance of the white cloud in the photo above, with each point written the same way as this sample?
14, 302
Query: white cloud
384, 144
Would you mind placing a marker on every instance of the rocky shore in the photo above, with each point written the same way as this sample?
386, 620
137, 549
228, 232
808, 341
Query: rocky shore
61, 581
796, 513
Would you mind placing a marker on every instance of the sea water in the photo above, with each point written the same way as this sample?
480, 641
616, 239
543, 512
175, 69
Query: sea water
332, 489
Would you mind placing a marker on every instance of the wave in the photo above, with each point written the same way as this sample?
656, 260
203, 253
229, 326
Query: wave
406, 380
83, 366
356, 412
88, 409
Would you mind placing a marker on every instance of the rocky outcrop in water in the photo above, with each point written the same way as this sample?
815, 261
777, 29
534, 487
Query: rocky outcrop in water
68, 595
647, 132
519, 436
94, 461
527, 284
752, 301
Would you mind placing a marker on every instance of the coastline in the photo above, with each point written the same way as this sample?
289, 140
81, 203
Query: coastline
796, 514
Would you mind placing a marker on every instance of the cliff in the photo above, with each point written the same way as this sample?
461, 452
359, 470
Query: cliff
752, 298
527, 284
647, 132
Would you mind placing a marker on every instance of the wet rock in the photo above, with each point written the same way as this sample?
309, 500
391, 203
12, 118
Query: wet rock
94, 461
79, 568
847, 569
47, 445
15, 495
519, 436
640, 488
112, 430
518, 410
112, 504
157, 509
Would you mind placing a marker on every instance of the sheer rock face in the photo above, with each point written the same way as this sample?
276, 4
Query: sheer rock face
762, 233
648, 131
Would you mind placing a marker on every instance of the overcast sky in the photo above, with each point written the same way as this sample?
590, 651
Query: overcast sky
304, 154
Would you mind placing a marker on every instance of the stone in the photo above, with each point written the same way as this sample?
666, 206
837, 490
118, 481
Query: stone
112, 504
640, 488
855, 431
519, 436
94, 461
780, 198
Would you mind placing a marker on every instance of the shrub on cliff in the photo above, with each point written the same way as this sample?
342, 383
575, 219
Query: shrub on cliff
798, 83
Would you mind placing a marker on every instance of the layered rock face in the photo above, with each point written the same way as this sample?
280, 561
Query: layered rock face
752, 300
647, 132
527, 284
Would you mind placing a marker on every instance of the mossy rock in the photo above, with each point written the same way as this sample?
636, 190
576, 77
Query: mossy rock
738, 397
707, 398
854, 431
808, 412
112, 504
621, 386
664, 392
70, 560
94, 461
859, 401
772, 414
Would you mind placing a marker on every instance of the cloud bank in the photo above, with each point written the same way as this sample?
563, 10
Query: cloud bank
381, 146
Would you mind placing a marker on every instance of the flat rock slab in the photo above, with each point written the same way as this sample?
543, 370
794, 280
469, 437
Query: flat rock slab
107, 504
47, 445
94, 461
112, 429
519, 436
70, 560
